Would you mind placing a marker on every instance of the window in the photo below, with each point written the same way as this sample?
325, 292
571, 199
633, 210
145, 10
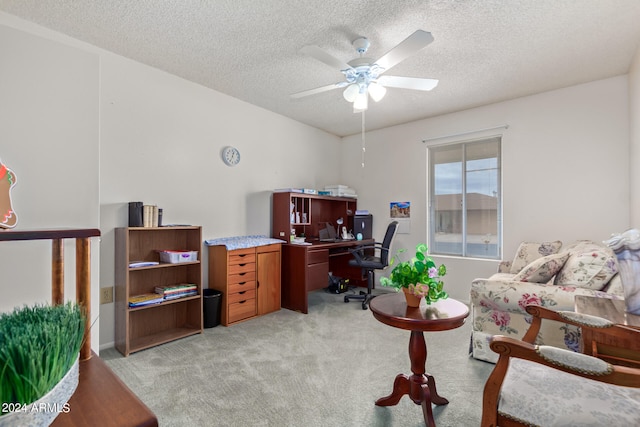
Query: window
465, 199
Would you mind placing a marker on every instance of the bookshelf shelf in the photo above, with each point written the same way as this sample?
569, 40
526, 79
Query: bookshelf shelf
174, 301
162, 337
138, 328
163, 265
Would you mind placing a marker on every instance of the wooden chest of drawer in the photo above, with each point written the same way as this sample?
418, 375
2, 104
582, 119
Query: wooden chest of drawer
242, 268
234, 288
242, 310
242, 296
236, 274
242, 256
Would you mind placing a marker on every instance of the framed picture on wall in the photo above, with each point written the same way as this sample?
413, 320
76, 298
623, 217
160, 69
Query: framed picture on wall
400, 209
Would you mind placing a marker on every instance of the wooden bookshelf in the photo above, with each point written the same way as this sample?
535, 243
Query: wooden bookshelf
139, 328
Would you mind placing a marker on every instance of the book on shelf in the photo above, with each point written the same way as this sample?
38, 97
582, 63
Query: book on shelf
296, 190
150, 215
180, 295
177, 291
288, 190
135, 264
145, 299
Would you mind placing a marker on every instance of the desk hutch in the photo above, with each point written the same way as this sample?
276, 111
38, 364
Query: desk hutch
306, 268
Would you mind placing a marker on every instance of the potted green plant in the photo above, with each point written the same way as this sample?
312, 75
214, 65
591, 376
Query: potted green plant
39, 362
419, 276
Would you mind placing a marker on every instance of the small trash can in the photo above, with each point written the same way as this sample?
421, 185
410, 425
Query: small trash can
212, 301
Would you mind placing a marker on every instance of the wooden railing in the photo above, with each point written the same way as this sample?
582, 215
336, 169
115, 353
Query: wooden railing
83, 268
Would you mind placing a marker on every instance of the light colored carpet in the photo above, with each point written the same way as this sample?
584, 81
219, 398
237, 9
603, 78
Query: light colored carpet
326, 368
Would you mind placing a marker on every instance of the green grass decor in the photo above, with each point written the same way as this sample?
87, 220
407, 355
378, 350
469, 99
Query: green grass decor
38, 346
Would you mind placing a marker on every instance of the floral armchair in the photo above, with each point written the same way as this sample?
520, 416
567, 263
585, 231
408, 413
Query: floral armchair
540, 274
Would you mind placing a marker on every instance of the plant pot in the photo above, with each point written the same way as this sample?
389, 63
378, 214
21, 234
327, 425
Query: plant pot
412, 300
44, 411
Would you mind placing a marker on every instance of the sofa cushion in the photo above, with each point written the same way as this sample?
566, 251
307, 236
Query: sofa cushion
589, 266
543, 269
531, 251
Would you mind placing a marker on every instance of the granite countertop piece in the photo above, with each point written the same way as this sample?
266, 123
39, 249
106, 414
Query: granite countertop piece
242, 242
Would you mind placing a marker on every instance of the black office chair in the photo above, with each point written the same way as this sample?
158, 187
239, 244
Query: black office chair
369, 263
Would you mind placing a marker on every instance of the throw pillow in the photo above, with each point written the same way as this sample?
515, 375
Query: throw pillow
531, 251
589, 266
543, 269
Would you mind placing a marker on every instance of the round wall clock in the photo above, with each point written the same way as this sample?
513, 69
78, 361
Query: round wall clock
230, 156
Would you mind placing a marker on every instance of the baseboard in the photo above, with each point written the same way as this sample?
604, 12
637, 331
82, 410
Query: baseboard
107, 345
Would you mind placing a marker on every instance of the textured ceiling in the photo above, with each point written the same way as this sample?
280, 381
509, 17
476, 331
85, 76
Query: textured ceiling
484, 50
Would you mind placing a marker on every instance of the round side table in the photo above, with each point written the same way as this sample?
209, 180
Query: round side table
442, 315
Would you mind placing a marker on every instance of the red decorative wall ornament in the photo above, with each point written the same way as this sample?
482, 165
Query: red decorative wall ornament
8, 217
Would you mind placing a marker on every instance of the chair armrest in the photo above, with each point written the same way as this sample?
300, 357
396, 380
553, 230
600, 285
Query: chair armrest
369, 246
358, 251
584, 321
565, 360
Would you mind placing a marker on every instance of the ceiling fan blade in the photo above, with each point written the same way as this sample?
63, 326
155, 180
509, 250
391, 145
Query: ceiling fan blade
322, 56
407, 82
318, 90
409, 46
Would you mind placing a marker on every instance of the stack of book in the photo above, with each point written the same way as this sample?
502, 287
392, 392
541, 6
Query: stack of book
150, 215
141, 215
145, 299
177, 291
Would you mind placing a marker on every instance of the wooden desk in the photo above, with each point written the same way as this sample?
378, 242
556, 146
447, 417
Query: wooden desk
442, 315
626, 352
306, 268
102, 399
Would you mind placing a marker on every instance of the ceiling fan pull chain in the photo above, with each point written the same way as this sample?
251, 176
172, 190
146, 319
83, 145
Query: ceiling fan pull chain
363, 139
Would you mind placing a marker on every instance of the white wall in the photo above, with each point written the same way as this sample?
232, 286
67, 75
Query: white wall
565, 169
634, 129
119, 131
161, 138
49, 138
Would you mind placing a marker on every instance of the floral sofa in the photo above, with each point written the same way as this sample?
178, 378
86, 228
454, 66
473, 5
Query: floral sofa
545, 274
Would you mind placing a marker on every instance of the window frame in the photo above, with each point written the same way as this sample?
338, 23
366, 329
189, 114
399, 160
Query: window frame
432, 217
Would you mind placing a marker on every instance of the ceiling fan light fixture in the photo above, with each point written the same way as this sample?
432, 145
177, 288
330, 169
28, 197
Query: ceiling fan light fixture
364, 76
351, 92
377, 91
361, 102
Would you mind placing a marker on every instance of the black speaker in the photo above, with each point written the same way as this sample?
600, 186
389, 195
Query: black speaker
363, 224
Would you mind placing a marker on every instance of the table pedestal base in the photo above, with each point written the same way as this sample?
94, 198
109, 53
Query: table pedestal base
421, 387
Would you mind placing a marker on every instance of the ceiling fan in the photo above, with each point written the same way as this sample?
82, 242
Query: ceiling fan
364, 75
